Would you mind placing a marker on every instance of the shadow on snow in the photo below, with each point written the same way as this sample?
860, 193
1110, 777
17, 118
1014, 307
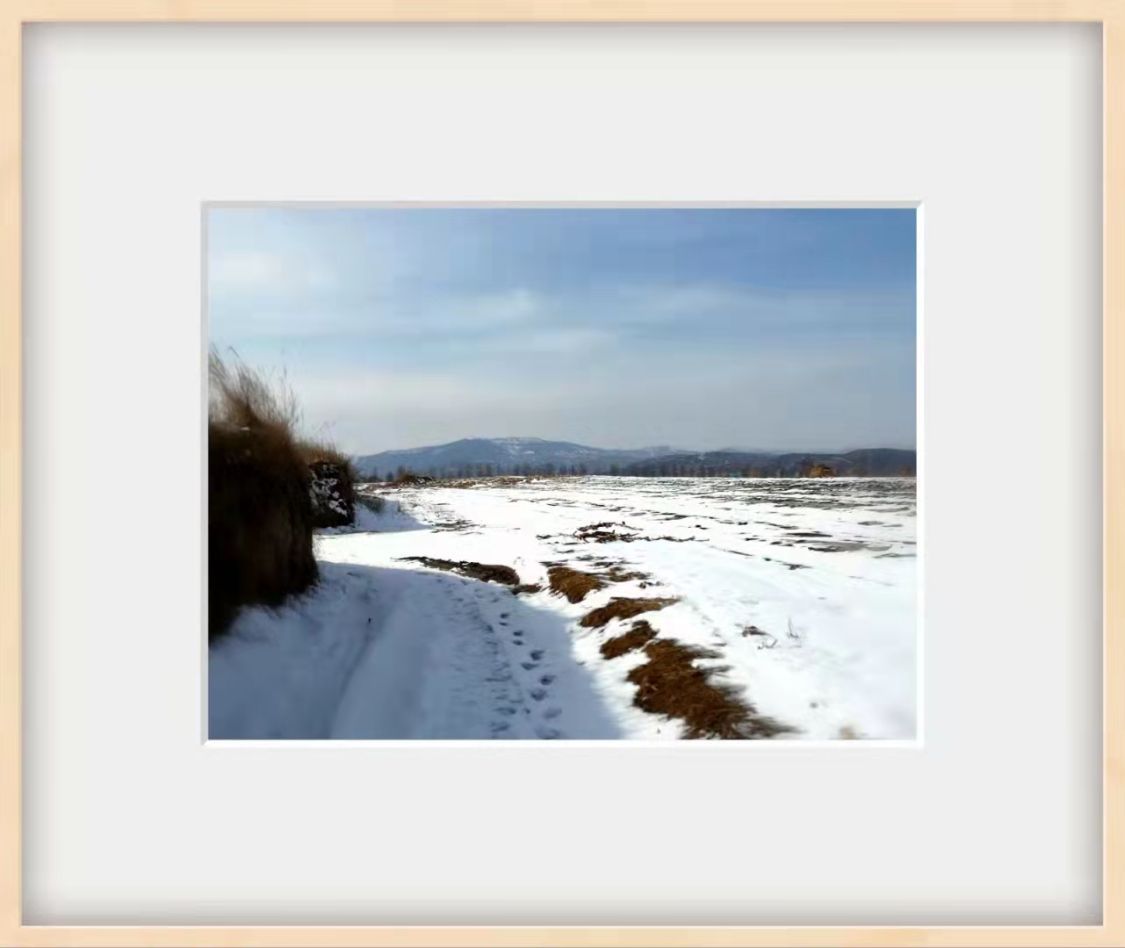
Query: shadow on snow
382, 653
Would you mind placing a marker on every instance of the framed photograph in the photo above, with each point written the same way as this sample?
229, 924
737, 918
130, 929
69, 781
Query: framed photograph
572, 474
643, 572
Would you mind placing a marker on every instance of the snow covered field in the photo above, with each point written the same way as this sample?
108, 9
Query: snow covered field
801, 592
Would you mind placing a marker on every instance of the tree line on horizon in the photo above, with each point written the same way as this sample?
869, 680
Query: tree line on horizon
661, 468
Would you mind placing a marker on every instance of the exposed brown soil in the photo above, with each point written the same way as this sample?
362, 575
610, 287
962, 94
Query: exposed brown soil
640, 634
670, 684
573, 583
619, 608
603, 533
618, 574
486, 572
528, 588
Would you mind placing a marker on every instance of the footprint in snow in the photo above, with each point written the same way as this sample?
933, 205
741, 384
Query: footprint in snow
518, 633
552, 713
528, 666
546, 679
538, 693
506, 710
537, 654
547, 733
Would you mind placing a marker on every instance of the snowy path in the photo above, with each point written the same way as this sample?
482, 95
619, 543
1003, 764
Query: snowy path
387, 648
458, 658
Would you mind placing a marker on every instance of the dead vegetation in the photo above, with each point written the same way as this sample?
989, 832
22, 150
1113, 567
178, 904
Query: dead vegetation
604, 533
573, 583
618, 574
622, 608
317, 449
259, 512
409, 479
640, 634
486, 572
332, 492
670, 684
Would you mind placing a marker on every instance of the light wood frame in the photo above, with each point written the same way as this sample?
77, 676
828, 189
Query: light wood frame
1109, 13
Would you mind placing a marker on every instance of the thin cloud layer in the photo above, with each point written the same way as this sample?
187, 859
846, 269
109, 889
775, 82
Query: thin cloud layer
786, 329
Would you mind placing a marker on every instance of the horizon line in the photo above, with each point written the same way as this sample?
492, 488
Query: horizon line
672, 449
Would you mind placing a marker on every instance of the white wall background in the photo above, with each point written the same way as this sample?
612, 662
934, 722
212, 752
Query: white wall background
130, 818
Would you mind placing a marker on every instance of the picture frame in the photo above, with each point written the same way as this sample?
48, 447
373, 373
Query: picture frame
1110, 14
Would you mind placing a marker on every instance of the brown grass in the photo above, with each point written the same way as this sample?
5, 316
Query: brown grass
670, 684
619, 608
259, 530
573, 583
315, 449
640, 634
603, 533
243, 399
260, 514
486, 572
618, 574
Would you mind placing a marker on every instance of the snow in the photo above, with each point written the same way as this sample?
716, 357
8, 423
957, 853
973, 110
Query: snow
825, 570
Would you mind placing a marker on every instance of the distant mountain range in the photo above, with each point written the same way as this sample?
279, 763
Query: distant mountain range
485, 456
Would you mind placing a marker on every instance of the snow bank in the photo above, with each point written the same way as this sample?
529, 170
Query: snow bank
806, 590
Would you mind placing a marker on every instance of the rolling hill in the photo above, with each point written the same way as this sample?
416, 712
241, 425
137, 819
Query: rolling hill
477, 456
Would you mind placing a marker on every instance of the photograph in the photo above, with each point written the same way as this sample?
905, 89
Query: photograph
551, 473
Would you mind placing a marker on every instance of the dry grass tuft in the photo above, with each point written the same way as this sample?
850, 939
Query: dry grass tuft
486, 572
260, 521
619, 608
670, 684
316, 449
243, 399
640, 634
573, 583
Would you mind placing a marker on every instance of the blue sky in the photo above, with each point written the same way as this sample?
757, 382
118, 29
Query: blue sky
697, 328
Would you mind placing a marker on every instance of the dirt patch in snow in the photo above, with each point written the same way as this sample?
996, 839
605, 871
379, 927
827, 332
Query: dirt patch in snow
670, 684
640, 634
603, 533
573, 583
620, 608
486, 572
618, 574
